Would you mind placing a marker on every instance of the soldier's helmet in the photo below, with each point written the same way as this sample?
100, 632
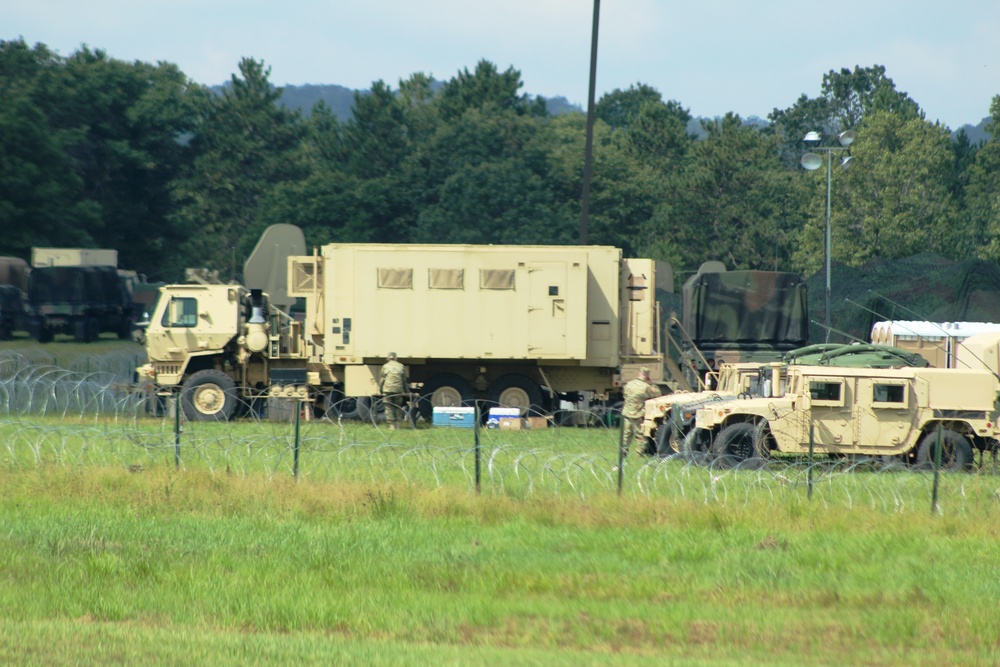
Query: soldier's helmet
392, 355
644, 371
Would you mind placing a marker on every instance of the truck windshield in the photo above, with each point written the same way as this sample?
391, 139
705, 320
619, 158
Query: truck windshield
180, 312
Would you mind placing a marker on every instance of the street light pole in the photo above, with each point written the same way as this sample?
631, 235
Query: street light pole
828, 244
811, 161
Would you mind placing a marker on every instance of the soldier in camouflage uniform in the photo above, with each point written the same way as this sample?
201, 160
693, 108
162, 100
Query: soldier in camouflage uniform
393, 386
636, 393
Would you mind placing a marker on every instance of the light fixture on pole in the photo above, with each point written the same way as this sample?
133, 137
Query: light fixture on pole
812, 161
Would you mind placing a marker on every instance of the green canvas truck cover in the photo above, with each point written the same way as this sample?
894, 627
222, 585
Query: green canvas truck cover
748, 308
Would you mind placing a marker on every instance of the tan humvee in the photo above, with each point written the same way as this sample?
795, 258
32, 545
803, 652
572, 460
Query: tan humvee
664, 430
893, 411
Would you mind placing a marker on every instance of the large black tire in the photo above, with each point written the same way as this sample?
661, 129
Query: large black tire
956, 451
735, 445
92, 329
39, 330
124, 328
695, 445
358, 408
665, 444
516, 391
209, 395
444, 390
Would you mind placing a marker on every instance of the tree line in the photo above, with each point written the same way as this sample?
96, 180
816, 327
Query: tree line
98, 152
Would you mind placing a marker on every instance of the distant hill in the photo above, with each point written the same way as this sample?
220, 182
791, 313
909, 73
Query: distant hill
976, 133
341, 101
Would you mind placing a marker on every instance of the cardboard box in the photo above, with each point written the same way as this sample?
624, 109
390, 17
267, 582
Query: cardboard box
455, 417
538, 422
511, 424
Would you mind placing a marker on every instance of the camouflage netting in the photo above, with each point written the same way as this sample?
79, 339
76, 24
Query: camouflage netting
921, 287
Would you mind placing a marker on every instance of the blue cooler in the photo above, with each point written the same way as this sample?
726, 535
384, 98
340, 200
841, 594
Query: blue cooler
458, 417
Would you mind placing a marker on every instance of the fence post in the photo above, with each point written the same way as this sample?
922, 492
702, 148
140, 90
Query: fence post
937, 468
812, 440
177, 429
621, 448
295, 456
475, 438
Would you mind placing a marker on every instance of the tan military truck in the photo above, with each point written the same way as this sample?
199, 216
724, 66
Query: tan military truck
859, 411
515, 325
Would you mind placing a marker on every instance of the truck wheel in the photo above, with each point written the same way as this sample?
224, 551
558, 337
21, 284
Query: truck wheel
92, 330
735, 444
446, 390
5, 331
208, 395
39, 330
516, 391
695, 445
664, 437
124, 330
348, 407
956, 451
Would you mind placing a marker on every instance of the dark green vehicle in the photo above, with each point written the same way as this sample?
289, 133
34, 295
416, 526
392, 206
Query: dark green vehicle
13, 311
80, 301
740, 316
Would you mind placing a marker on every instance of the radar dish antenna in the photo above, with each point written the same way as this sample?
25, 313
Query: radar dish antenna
267, 266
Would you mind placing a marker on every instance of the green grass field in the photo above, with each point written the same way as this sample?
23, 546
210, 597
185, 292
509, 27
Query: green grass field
102, 565
381, 552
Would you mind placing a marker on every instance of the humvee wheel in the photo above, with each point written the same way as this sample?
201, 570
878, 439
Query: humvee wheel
956, 451
694, 446
735, 445
208, 395
665, 445
445, 390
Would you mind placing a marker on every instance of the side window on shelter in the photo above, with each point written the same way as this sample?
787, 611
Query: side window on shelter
181, 312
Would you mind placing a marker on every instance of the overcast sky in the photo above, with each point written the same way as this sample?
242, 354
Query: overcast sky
712, 56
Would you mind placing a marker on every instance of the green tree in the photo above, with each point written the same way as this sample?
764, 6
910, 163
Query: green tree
620, 107
846, 98
41, 194
486, 175
245, 146
486, 88
132, 119
733, 201
982, 196
896, 199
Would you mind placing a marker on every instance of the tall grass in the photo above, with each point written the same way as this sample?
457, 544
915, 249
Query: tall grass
99, 556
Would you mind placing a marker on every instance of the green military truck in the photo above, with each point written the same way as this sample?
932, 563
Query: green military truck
856, 411
738, 316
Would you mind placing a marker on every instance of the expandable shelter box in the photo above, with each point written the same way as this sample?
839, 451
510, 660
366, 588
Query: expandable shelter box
938, 342
73, 257
560, 305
